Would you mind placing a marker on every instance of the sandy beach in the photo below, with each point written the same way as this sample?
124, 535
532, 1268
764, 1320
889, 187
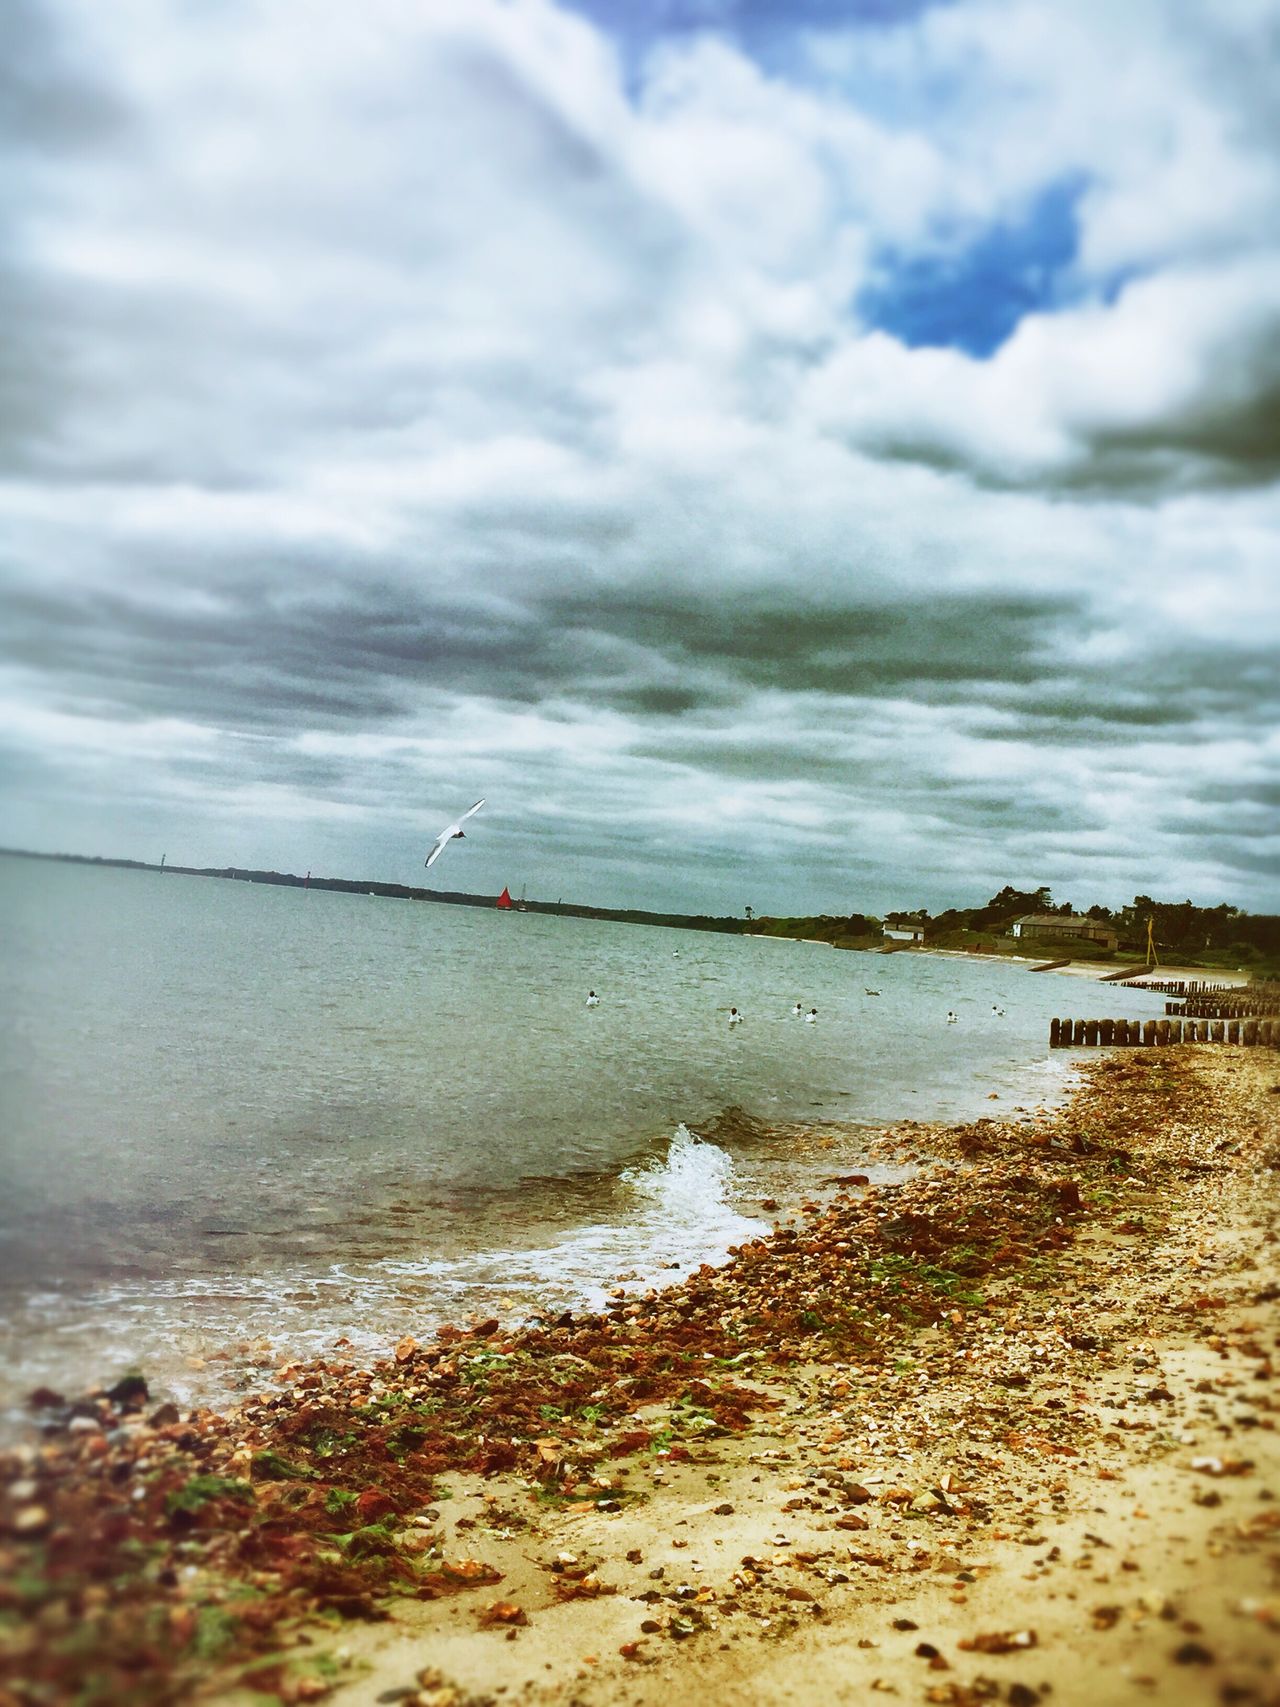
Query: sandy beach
1005, 1432
1096, 970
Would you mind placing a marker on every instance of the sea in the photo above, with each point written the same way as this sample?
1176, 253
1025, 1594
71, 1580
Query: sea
243, 1124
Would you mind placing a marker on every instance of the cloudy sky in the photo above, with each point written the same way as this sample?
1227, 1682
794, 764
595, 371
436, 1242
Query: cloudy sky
819, 454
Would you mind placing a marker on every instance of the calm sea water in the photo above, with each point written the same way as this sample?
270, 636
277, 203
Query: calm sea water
235, 1113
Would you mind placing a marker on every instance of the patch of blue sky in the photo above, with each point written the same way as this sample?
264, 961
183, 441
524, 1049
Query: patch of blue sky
970, 295
766, 29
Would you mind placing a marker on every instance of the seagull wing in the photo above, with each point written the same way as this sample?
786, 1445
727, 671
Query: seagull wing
470, 812
441, 843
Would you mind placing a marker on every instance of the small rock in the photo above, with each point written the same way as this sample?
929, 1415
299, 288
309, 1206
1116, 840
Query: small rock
45, 1399
130, 1391
1192, 1654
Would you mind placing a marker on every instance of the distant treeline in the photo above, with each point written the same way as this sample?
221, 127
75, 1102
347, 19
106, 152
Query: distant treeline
1180, 927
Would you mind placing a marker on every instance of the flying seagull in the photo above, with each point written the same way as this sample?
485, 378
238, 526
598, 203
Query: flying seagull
449, 832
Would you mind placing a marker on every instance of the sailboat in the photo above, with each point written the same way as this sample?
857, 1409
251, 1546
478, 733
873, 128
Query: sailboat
504, 901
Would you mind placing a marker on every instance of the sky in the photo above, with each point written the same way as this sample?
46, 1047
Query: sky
813, 455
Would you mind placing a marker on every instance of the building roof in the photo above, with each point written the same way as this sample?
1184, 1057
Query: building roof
1065, 921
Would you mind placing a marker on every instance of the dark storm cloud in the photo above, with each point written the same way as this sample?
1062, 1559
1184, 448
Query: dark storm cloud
1229, 435
865, 648
259, 657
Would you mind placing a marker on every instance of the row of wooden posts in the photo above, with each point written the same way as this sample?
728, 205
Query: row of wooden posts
1147, 1033
1225, 1007
1179, 986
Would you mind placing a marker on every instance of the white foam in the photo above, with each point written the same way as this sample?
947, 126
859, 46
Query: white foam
679, 1213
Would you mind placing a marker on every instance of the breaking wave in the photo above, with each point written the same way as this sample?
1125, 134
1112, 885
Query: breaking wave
207, 1340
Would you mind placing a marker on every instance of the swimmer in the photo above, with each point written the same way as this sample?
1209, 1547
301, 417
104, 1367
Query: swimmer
593, 1001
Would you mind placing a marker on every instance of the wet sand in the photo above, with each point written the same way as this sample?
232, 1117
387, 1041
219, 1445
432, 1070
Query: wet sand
1004, 1432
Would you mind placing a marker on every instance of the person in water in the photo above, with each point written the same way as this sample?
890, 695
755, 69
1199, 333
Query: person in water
593, 1001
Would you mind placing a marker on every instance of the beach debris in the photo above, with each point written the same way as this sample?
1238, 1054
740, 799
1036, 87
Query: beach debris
501, 1612
998, 1642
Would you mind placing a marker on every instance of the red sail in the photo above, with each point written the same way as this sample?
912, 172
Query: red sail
504, 900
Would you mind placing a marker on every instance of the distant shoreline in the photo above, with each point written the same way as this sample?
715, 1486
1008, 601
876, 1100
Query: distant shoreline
784, 929
401, 892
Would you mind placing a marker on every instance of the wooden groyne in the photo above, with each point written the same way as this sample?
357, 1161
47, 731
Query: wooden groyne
1154, 1033
1225, 1007
1179, 986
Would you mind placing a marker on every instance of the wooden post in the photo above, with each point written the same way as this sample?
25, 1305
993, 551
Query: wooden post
1122, 1032
1233, 1031
1055, 1034
1077, 1033
1162, 1031
1175, 1031
1215, 1031
1091, 1033
1148, 1033
1107, 1033
1249, 1032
